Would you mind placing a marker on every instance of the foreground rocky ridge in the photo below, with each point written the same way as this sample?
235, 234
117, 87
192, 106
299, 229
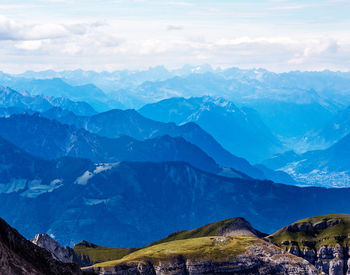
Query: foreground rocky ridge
228, 247
259, 257
317, 245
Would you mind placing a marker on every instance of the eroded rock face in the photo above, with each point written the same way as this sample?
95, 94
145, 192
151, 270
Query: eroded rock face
61, 253
308, 226
327, 259
261, 259
323, 242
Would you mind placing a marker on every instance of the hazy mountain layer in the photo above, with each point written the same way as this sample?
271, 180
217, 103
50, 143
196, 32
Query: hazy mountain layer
141, 202
241, 131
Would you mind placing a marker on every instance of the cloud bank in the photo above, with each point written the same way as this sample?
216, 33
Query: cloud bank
277, 35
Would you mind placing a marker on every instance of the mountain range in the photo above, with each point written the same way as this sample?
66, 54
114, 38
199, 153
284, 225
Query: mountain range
241, 131
117, 123
328, 168
133, 197
200, 145
16, 102
50, 139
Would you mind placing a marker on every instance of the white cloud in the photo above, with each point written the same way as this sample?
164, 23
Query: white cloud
17, 30
104, 35
174, 28
292, 7
14, 6
29, 45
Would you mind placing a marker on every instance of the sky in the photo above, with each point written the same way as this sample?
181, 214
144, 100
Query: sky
278, 35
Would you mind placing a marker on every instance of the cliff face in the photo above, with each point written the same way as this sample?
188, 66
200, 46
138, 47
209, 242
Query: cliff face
333, 260
60, 253
242, 255
323, 241
19, 256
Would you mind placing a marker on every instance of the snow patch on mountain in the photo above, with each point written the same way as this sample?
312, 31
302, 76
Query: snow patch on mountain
87, 175
92, 202
36, 188
84, 178
15, 185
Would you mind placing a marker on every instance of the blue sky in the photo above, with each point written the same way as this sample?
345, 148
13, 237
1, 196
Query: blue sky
279, 35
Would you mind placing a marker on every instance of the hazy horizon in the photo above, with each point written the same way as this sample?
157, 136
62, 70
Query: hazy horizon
170, 69
279, 35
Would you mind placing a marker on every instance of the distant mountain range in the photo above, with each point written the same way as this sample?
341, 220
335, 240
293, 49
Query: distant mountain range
56, 87
255, 141
117, 123
241, 131
328, 168
16, 102
294, 105
50, 139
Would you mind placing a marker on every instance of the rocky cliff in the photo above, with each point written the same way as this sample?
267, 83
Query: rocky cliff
60, 253
323, 241
19, 256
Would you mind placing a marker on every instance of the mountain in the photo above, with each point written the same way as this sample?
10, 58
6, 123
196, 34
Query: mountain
19, 256
50, 139
240, 131
77, 107
328, 168
116, 123
18, 102
131, 204
56, 87
227, 228
212, 252
294, 105
337, 128
12, 98
322, 240
60, 253
292, 122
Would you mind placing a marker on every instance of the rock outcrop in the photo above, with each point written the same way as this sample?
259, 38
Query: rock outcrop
19, 256
323, 241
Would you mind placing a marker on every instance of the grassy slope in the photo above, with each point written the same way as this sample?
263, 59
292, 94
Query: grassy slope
333, 235
204, 248
100, 254
204, 231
